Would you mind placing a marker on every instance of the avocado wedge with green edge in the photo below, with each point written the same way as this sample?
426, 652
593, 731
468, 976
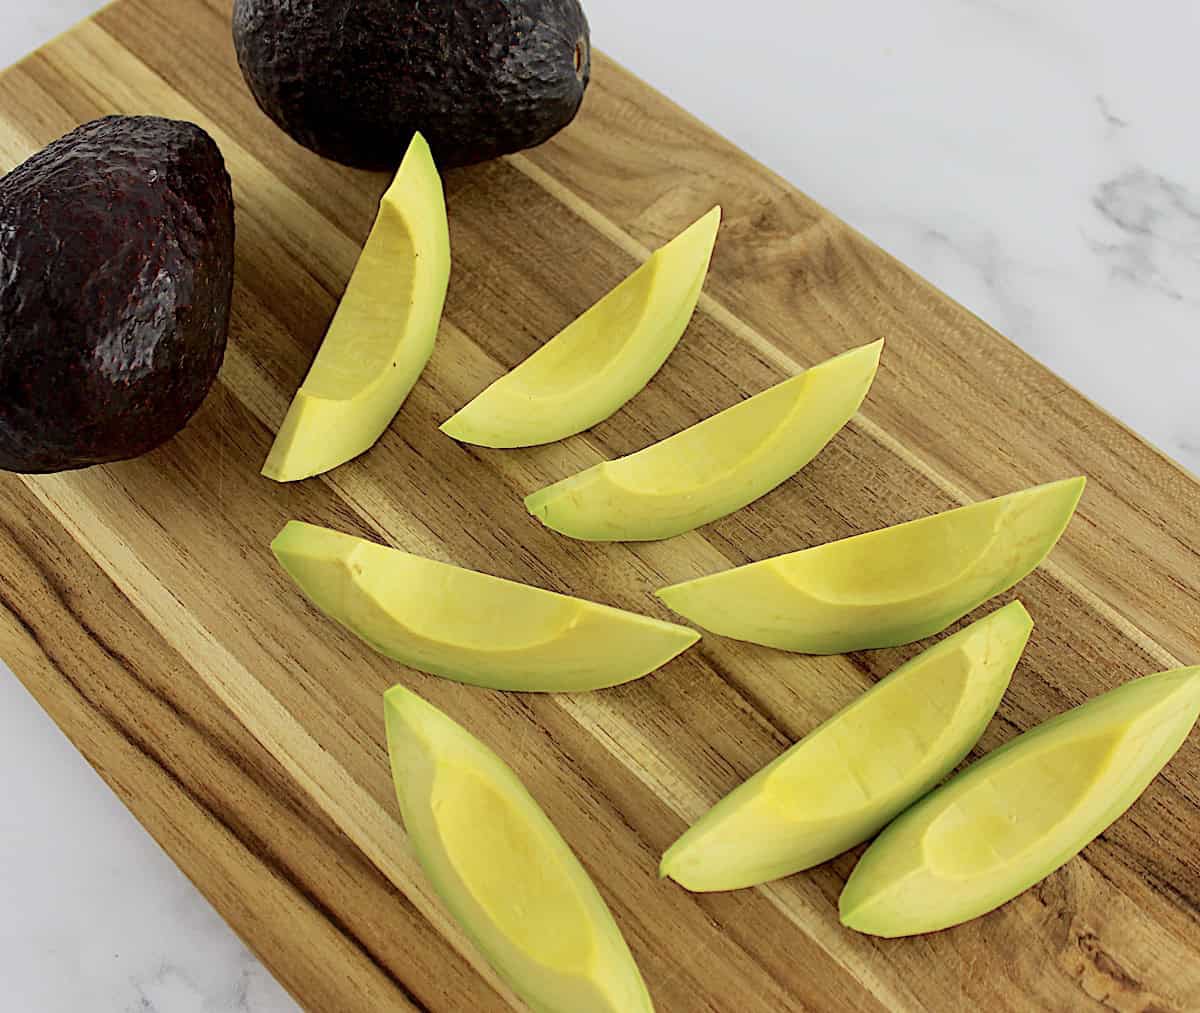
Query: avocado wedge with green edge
843, 781
502, 869
382, 334
887, 587
1021, 812
715, 467
470, 626
599, 361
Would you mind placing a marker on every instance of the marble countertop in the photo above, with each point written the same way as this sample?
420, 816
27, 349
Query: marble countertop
1037, 161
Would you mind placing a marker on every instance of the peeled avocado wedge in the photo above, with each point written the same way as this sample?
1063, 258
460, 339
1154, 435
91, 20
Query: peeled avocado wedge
1022, 811
885, 588
839, 784
715, 467
502, 869
382, 333
601, 360
469, 626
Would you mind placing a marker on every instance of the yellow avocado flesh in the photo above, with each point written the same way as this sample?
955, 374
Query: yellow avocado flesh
715, 467
887, 587
1022, 811
469, 626
382, 334
502, 869
591, 368
852, 775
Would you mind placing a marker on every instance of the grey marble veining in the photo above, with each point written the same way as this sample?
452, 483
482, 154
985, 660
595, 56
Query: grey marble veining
1039, 162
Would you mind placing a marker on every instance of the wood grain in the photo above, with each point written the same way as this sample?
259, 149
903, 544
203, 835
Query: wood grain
140, 604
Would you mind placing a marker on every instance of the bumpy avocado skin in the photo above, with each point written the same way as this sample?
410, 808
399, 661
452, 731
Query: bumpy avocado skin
116, 274
353, 79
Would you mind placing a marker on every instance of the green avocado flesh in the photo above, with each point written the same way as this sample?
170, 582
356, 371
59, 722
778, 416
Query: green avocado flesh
502, 869
1022, 811
470, 626
715, 467
354, 81
382, 334
116, 275
838, 785
885, 588
603, 358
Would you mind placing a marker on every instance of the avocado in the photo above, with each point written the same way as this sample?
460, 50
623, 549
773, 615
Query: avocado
1024, 810
354, 81
503, 870
469, 626
887, 587
715, 467
591, 368
381, 336
851, 776
116, 273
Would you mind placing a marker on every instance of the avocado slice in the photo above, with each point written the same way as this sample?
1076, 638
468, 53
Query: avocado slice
849, 777
470, 626
1022, 811
887, 587
116, 276
354, 81
601, 360
502, 869
382, 334
715, 467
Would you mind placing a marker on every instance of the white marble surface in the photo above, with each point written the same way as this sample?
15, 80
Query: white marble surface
1039, 161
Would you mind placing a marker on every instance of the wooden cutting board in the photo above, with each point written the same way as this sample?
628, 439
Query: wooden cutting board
140, 604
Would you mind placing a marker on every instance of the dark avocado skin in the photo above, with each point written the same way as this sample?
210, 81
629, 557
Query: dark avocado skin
353, 79
116, 272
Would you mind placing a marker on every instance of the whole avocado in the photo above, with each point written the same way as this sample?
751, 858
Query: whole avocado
353, 79
116, 274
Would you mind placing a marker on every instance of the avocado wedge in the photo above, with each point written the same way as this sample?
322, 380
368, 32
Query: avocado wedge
469, 626
715, 467
847, 778
502, 869
591, 368
887, 587
1022, 811
382, 334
